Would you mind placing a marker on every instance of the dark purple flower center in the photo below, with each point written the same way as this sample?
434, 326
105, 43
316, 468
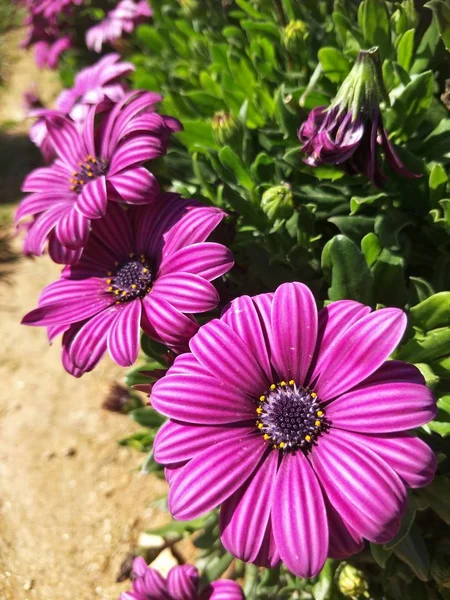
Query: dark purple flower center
132, 279
290, 416
90, 169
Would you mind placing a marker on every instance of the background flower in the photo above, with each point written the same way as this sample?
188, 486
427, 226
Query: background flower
147, 267
182, 583
98, 165
295, 423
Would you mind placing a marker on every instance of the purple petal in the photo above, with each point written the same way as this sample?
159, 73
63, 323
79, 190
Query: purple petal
151, 585
40, 202
41, 228
123, 337
134, 152
213, 476
186, 292
383, 408
208, 260
411, 458
47, 179
72, 229
91, 203
66, 140
176, 442
165, 323
392, 158
362, 488
206, 400
244, 515
344, 541
114, 232
359, 351
70, 303
299, 517
243, 318
89, 344
395, 370
139, 566
194, 227
222, 352
134, 186
182, 582
268, 555
60, 254
294, 329
333, 320
223, 589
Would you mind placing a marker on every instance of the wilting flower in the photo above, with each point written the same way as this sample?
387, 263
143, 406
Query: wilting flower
94, 166
294, 422
127, 15
182, 583
146, 266
348, 131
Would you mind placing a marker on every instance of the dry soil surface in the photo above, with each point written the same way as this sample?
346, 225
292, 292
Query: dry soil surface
72, 502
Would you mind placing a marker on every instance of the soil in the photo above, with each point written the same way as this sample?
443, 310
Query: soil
72, 502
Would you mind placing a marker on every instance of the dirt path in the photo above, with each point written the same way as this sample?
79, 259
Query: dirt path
72, 503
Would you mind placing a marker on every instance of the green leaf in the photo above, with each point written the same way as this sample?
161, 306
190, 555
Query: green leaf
134, 376
233, 163
413, 551
422, 288
441, 424
426, 348
405, 49
410, 107
438, 496
441, 9
437, 183
380, 554
375, 25
371, 247
357, 201
322, 588
427, 47
405, 526
433, 312
147, 417
334, 64
147, 35
197, 134
248, 8
350, 276
389, 279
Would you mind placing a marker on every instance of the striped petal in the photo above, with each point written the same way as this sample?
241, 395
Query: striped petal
207, 259
186, 292
123, 337
91, 203
66, 140
182, 582
134, 186
72, 229
165, 323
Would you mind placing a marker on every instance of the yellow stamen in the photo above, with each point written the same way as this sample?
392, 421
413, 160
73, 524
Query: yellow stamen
108, 280
313, 395
291, 382
319, 413
266, 437
145, 270
281, 445
262, 398
134, 286
131, 254
90, 174
116, 292
124, 293
317, 423
273, 387
110, 289
260, 425
259, 410
308, 438
282, 383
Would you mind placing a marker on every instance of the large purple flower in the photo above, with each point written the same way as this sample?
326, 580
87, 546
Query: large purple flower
94, 166
146, 266
348, 132
127, 15
182, 583
294, 422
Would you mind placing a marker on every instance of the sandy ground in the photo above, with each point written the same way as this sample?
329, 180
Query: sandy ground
72, 502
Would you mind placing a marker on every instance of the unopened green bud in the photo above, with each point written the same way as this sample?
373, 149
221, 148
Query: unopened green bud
352, 583
278, 202
294, 35
226, 129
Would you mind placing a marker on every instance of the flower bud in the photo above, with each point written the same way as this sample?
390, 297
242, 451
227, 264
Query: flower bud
352, 583
226, 129
294, 35
278, 202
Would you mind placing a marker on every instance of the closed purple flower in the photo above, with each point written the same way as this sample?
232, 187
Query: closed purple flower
146, 267
127, 15
182, 583
94, 166
294, 422
351, 130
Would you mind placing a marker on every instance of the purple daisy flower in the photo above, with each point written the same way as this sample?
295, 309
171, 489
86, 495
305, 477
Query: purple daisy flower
347, 133
294, 422
94, 166
98, 85
123, 19
146, 267
182, 583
